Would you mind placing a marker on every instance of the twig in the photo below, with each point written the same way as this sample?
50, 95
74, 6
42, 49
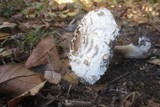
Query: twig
77, 103
157, 28
69, 89
117, 78
157, 45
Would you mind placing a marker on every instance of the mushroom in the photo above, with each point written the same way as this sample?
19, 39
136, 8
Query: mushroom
91, 46
142, 50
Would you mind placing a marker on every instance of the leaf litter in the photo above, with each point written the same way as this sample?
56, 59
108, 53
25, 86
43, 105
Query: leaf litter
139, 87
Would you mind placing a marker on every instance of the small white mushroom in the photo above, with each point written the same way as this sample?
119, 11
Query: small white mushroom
91, 47
134, 51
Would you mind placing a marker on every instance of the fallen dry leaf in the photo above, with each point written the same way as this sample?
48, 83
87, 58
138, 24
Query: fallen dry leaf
61, 6
15, 101
65, 63
39, 26
3, 19
64, 1
53, 77
17, 16
155, 61
153, 104
4, 36
54, 72
8, 25
71, 78
98, 87
18, 36
54, 61
46, 53
4, 53
15, 80
130, 100
74, 13
24, 27
39, 55
66, 42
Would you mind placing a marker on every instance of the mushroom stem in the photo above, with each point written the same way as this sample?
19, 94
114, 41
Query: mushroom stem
134, 51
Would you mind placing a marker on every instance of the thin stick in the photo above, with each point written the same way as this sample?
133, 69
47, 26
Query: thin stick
77, 103
117, 78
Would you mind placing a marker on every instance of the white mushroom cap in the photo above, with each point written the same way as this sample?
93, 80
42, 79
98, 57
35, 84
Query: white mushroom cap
91, 48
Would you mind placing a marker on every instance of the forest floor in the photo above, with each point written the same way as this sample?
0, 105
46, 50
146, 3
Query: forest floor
26, 33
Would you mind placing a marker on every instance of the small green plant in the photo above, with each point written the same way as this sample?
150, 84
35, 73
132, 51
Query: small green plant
32, 38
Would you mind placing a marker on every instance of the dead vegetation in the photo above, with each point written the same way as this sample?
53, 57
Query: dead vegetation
35, 37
